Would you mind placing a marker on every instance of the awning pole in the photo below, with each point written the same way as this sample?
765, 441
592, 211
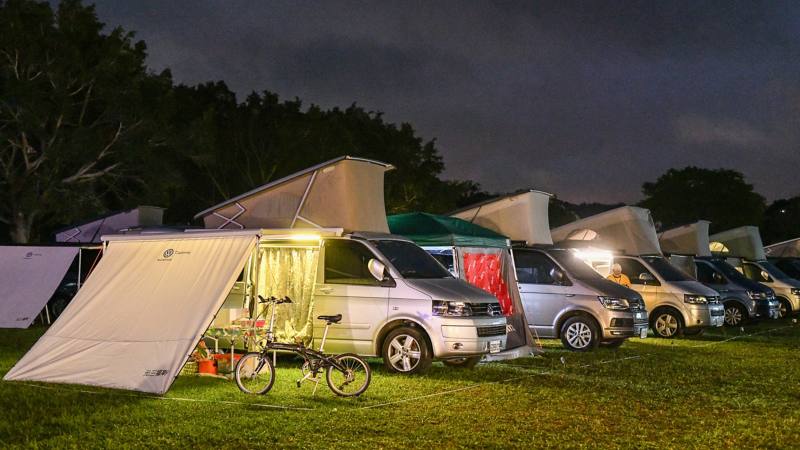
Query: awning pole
80, 256
47, 312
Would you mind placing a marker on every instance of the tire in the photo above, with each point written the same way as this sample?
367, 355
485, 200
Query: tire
735, 315
406, 350
667, 324
613, 343
463, 363
696, 331
352, 382
784, 308
579, 334
57, 307
255, 373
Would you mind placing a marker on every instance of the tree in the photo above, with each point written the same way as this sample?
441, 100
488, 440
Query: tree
76, 109
781, 221
720, 196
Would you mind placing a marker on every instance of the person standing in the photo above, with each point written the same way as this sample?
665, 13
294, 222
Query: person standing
618, 277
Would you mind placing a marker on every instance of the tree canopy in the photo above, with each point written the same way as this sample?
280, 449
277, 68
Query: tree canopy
721, 196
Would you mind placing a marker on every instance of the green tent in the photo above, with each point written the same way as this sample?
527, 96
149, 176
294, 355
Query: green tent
441, 231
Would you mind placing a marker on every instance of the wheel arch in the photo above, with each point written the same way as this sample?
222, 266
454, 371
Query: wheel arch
394, 324
654, 315
573, 313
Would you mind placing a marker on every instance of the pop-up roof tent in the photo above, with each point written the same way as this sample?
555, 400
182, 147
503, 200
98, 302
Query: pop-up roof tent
785, 249
28, 278
627, 229
340, 193
91, 230
522, 216
138, 317
691, 239
479, 256
742, 242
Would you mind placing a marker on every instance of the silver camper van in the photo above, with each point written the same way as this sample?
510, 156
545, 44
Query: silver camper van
743, 249
565, 298
562, 296
677, 304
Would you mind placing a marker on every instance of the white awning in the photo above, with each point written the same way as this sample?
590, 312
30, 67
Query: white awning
141, 313
28, 278
629, 229
689, 239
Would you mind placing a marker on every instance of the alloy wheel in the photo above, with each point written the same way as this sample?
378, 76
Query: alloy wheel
579, 335
404, 353
733, 316
782, 310
666, 325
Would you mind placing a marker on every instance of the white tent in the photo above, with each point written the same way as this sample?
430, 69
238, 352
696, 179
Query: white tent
92, 230
742, 242
785, 249
689, 239
139, 316
627, 229
28, 278
522, 216
343, 193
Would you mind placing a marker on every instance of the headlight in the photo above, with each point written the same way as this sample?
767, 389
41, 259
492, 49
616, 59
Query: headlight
697, 299
613, 302
795, 291
441, 308
756, 295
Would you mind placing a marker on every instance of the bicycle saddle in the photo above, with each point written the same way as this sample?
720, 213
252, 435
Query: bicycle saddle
332, 319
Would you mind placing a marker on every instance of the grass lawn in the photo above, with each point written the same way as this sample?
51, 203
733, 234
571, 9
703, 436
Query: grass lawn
701, 392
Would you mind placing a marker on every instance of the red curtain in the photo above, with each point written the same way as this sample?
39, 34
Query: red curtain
485, 272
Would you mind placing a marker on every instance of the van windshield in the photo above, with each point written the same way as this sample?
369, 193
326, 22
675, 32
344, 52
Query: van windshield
410, 260
665, 270
729, 271
576, 266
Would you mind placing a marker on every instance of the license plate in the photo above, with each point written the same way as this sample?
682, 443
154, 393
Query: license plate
494, 346
774, 314
642, 333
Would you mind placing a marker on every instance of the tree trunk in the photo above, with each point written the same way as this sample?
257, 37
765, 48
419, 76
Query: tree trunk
21, 229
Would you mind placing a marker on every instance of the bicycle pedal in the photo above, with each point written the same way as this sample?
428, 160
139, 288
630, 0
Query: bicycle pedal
299, 382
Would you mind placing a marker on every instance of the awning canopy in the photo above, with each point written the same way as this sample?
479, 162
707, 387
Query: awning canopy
742, 242
28, 278
434, 230
345, 193
522, 216
139, 316
92, 230
627, 229
689, 239
786, 249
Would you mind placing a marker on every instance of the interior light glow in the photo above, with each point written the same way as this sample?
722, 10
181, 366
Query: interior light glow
305, 237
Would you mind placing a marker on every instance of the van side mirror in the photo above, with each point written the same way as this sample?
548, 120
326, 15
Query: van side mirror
718, 278
766, 276
377, 269
646, 277
557, 275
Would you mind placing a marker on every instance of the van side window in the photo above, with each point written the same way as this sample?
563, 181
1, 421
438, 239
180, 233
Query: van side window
632, 268
705, 273
346, 262
533, 267
753, 272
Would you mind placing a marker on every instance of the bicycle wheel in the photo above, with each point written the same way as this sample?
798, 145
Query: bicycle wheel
255, 373
353, 380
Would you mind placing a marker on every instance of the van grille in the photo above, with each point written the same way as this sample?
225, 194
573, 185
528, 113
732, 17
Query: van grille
486, 309
497, 330
713, 300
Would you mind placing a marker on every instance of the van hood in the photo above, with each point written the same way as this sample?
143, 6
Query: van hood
750, 285
694, 288
451, 289
610, 289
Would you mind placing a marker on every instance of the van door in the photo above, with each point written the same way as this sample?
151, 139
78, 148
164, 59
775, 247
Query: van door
542, 297
345, 286
648, 289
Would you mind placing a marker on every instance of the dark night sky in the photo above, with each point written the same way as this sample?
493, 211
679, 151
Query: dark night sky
586, 100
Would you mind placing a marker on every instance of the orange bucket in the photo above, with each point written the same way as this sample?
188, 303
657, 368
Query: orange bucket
207, 367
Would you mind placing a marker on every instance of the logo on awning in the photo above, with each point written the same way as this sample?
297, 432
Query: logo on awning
168, 253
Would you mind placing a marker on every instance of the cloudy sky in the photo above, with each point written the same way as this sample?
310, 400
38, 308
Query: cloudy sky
587, 100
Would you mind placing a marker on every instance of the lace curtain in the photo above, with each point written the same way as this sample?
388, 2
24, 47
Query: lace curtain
289, 271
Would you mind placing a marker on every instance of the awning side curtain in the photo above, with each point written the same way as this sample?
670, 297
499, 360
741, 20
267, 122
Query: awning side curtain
28, 278
140, 314
290, 271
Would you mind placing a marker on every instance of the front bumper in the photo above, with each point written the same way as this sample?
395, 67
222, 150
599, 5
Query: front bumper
625, 324
767, 309
704, 315
459, 337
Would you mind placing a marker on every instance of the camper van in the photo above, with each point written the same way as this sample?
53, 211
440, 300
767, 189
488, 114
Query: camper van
742, 247
562, 296
677, 304
744, 300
